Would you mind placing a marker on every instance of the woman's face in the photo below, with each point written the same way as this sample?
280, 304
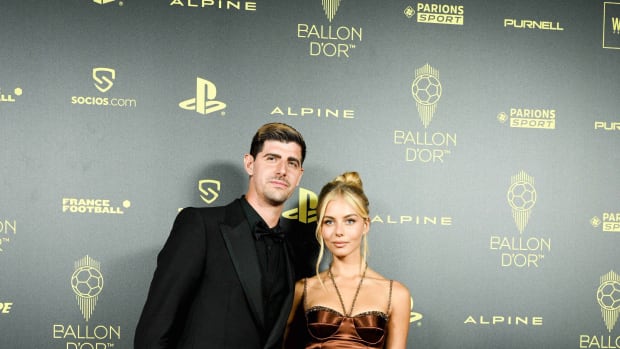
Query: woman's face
342, 228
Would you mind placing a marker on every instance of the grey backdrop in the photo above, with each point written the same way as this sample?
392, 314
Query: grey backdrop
445, 228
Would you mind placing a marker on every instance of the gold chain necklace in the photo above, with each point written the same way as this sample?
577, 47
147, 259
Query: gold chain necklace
331, 276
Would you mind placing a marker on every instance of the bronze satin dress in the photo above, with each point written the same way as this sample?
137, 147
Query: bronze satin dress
330, 329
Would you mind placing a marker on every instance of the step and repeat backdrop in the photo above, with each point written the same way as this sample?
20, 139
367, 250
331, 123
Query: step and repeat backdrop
487, 134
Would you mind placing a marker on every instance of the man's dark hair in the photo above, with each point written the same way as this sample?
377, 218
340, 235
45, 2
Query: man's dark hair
277, 131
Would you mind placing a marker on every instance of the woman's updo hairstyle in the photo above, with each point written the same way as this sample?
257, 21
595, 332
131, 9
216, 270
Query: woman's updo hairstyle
349, 187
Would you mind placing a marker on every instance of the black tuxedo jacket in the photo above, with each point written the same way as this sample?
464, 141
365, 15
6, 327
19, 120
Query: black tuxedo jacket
206, 290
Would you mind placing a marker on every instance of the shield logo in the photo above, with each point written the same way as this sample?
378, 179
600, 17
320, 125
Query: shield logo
104, 78
209, 189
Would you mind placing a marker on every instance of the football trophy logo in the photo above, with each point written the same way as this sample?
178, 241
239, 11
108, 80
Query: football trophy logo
87, 284
426, 90
521, 197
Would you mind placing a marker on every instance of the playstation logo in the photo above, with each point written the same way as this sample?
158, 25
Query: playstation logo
204, 103
305, 212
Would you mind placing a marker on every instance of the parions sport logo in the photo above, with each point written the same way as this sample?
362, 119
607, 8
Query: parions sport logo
529, 118
609, 222
103, 81
436, 13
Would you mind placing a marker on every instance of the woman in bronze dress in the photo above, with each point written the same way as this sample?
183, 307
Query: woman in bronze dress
349, 305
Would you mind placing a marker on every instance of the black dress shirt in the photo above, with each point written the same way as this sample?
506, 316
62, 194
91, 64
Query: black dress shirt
270, 247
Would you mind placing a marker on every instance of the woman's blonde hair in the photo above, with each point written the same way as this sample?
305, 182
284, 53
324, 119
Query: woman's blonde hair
349, 187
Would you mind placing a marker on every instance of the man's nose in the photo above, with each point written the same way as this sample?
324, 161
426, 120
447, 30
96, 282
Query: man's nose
282, 167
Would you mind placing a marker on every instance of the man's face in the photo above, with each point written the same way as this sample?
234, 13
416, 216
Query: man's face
275, 172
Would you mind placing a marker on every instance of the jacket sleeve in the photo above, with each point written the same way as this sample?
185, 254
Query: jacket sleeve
179, 268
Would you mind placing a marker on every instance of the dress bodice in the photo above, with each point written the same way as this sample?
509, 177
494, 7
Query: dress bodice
330, 329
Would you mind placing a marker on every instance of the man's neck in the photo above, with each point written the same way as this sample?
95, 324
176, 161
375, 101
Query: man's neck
269, 213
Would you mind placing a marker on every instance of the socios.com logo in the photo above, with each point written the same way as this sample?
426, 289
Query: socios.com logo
204, 103
104, 78
209, 190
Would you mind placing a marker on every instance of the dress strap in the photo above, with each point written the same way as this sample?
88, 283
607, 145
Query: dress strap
390, 297
304, 295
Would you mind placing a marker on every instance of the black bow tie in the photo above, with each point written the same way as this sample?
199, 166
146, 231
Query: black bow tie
262, 230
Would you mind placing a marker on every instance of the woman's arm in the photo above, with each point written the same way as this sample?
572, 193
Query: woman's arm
398, 325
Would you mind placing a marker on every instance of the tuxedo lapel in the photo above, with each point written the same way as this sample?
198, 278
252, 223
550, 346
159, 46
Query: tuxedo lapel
242, 251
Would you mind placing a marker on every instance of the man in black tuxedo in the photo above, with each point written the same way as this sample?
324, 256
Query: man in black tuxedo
225, 276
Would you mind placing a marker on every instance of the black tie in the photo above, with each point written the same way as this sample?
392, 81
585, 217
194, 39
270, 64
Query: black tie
262, 230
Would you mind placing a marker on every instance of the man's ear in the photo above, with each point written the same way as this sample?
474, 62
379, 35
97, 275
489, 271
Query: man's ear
248, 164
301, 174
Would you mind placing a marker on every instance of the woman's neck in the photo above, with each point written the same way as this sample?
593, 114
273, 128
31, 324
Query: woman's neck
346, 268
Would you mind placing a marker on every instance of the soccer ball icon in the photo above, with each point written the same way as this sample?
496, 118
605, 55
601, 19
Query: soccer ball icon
426, 89
521, 196
87, 282
608, 295
409, 12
